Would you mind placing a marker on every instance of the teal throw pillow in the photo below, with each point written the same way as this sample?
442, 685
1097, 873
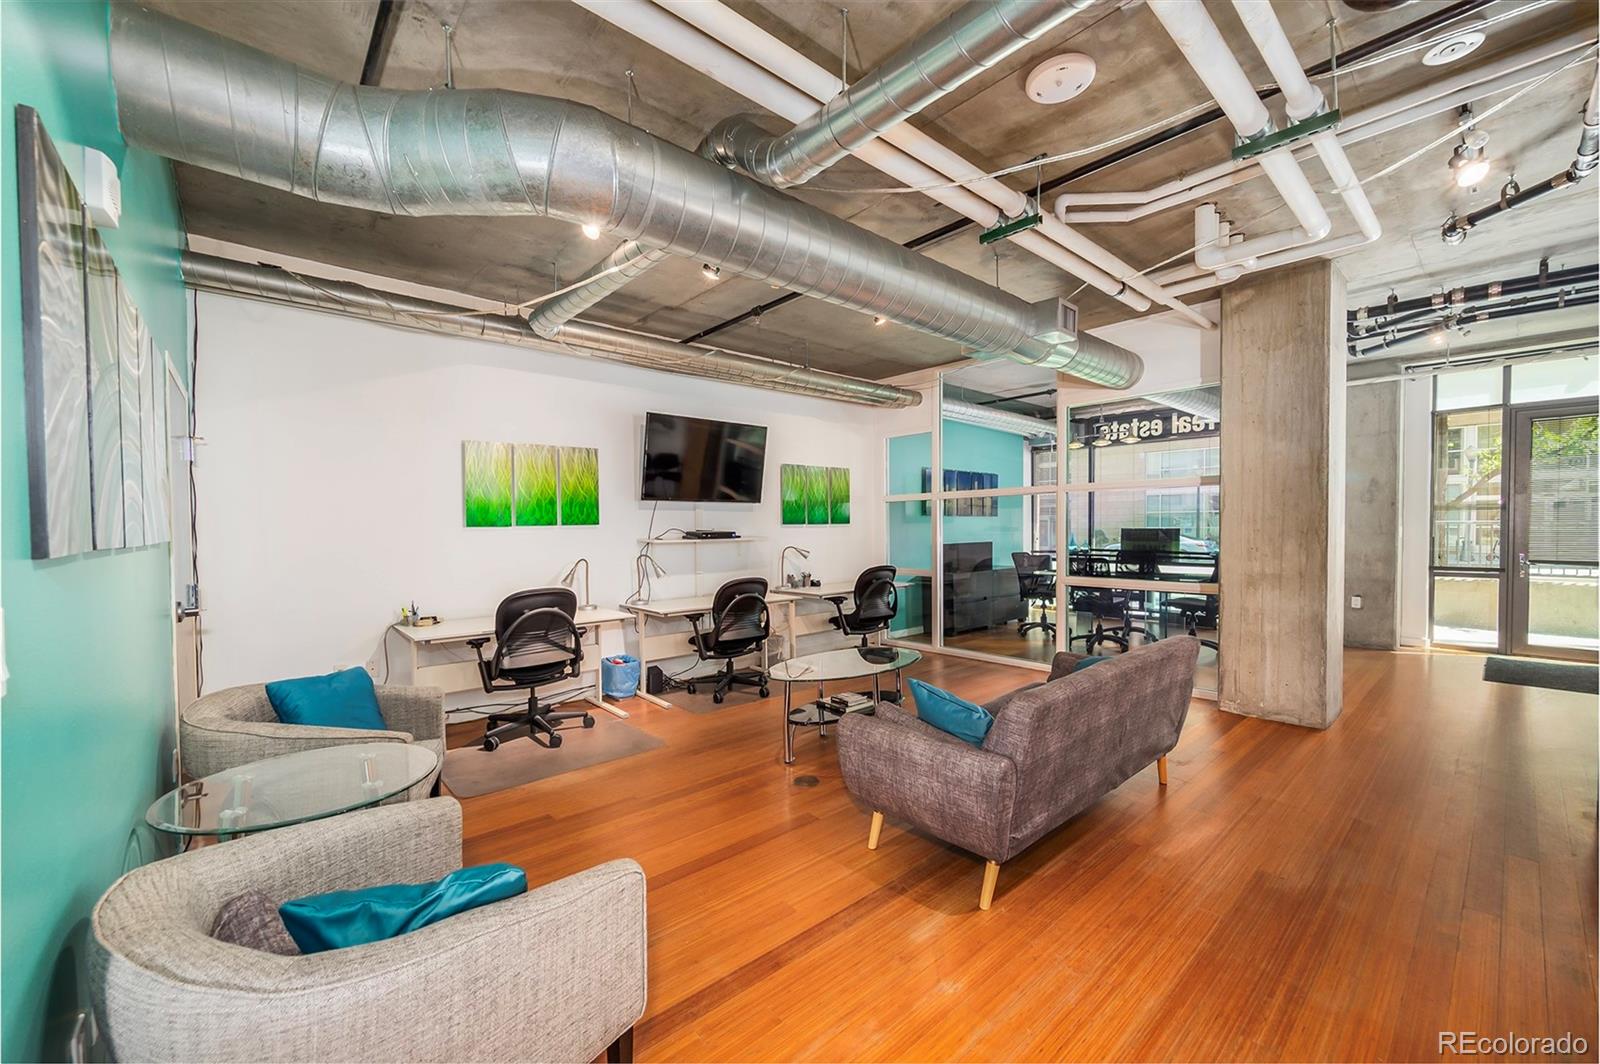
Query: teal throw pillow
355, 917
951, 713
1093, 659
343, 699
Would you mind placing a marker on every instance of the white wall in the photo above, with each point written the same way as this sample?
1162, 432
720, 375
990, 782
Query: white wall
329, 482
1176, 355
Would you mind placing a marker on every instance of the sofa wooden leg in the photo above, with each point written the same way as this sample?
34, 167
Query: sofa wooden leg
621, 1051
1161, 770
991, 875
874, 831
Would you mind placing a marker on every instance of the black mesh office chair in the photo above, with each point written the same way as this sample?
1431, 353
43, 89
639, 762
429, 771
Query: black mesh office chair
1101, 603
1036, 584
739, 623
873, 607
537, 642
1198, 611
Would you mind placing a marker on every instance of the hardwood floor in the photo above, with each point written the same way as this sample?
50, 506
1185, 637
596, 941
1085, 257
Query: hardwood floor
1427, 864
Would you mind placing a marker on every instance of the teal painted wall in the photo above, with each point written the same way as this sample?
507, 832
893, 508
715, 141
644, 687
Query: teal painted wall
85, 728
974, 449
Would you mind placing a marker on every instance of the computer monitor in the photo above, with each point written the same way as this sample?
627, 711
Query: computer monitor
1150, 541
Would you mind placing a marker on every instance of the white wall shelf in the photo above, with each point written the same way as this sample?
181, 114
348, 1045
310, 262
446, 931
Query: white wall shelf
678, 540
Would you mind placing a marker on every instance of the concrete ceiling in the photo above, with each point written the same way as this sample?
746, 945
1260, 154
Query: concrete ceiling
556, 48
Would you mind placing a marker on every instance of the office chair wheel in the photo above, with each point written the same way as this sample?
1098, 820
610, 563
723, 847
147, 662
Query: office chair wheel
766, 692
588, 721
689, 687
491, 742
717, 698
555, 741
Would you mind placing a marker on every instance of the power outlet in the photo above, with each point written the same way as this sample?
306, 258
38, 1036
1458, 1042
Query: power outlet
1355, 602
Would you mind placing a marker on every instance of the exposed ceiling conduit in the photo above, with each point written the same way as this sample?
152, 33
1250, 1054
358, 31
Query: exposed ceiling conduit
213, 274
628, 261
1438, 97
1511, 196
728, 27
959, 48
203, 99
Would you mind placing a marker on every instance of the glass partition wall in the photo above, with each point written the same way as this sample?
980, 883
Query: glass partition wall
1049, 527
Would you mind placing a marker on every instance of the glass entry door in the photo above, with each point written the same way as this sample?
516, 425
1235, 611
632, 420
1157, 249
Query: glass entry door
1554, 571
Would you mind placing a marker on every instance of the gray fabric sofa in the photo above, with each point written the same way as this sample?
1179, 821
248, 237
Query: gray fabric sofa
1055, 748
237, 725
557, 973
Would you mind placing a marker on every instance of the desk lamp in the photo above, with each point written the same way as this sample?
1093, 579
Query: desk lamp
571, 578
784, 557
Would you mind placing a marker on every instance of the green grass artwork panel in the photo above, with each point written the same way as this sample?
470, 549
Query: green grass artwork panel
838, 495
816, 494
791, 487
486, 484
537, 484
580, 486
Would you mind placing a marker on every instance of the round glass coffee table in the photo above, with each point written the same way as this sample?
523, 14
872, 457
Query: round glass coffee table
846, 664
291, 789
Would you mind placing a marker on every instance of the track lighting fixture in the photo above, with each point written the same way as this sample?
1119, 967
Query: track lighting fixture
710, 272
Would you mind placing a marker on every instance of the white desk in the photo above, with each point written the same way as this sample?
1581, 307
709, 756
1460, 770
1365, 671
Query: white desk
670, 609
461, 629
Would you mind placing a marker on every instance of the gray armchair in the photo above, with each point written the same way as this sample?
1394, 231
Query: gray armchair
1055, 749
557, 973
237, 725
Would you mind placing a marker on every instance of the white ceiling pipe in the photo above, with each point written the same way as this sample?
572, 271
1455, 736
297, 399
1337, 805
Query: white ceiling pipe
1438, 97
1303, 100
1201, 43
1359, 127
1321, 249
745, 37
657, 27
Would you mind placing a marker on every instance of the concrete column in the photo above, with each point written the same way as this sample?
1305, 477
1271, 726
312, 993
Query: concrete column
1283, 408
1372, 482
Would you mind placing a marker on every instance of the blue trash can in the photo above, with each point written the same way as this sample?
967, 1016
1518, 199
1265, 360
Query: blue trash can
619, 675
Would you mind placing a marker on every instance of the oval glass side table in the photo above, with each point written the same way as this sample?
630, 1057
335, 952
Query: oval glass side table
291, 789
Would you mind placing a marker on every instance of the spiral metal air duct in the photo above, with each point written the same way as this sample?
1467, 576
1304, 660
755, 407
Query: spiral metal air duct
958, 49
203, 99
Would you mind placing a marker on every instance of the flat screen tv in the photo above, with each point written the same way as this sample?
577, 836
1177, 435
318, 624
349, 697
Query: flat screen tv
690, 459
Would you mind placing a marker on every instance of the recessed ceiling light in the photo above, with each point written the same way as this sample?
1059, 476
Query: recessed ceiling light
1060, 78
710, 272
1457, 44
591, 230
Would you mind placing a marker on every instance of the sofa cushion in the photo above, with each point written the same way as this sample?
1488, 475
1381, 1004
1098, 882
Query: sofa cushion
251, 919
356, 917
951, 713
344, 699
996, 705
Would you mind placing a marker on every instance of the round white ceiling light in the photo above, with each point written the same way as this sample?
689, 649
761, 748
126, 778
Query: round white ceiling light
1060, 78
1457, 44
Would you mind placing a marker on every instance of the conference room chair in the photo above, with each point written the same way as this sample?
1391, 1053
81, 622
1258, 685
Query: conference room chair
1036, 584
739, 624
537, 643
873, 604
1198, 611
